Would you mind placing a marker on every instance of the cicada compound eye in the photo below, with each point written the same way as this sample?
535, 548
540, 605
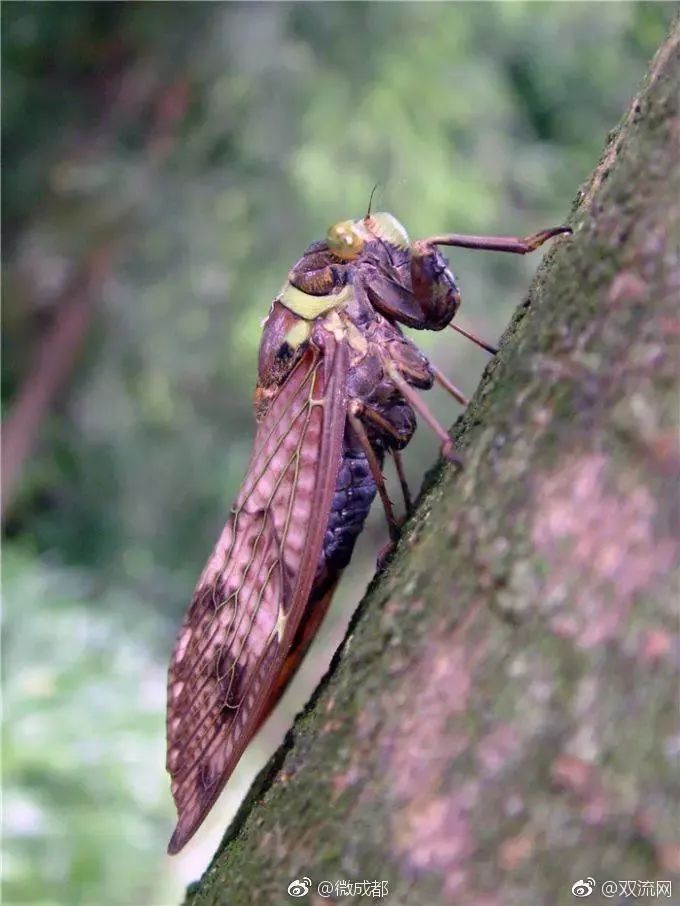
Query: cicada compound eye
345, 240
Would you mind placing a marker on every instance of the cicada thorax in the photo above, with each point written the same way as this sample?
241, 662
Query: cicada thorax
409, 283
319, 271
382, 349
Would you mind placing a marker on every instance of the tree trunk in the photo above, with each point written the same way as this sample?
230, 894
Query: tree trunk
499, 721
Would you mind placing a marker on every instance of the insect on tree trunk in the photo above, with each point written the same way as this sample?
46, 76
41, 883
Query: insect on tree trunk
502, 724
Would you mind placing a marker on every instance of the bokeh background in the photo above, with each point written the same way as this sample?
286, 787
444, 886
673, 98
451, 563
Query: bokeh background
164, 165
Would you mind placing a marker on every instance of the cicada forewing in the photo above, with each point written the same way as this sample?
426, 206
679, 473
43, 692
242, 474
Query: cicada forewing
232, 648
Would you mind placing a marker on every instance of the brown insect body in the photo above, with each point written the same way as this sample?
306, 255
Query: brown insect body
334, 395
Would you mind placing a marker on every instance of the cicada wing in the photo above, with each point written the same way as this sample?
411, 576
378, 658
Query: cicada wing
252, 594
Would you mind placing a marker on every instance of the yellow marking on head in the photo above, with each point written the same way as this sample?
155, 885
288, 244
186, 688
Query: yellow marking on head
385, 226
310, 307
345, 239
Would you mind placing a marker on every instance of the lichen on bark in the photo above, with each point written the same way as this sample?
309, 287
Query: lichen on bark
500, 720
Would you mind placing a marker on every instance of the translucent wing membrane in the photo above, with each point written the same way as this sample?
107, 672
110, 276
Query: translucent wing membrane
251, 596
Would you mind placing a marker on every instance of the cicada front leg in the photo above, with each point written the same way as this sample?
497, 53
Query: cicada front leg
433, 286
512, 244
431, 300
424, 274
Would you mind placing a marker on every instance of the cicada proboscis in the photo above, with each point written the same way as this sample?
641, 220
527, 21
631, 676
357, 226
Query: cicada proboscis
336, 391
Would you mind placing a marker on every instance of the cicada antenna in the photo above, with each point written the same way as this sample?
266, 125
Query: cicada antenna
370, 201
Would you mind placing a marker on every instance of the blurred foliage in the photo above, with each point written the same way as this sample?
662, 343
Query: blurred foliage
81, 726
210, 143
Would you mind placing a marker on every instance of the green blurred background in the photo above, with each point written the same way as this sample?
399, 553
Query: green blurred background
164, 165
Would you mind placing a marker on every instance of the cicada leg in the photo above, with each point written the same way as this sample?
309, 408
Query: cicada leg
362, 410
425, 278
484, 344
433, 286
355, 410
512, 244
442, 379
368, 414
401, 475
421, 407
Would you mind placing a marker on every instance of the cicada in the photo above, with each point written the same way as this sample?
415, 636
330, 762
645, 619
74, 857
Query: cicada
337, 391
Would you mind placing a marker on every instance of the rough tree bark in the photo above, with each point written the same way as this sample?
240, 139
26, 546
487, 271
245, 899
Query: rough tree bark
499, 721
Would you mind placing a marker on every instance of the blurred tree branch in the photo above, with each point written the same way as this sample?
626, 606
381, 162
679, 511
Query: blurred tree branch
135, 89
498, 722
53, 363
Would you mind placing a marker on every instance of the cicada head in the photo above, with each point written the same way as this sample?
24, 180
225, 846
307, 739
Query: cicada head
399, 279
349, 238
346, 239
386, 228
406, 282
